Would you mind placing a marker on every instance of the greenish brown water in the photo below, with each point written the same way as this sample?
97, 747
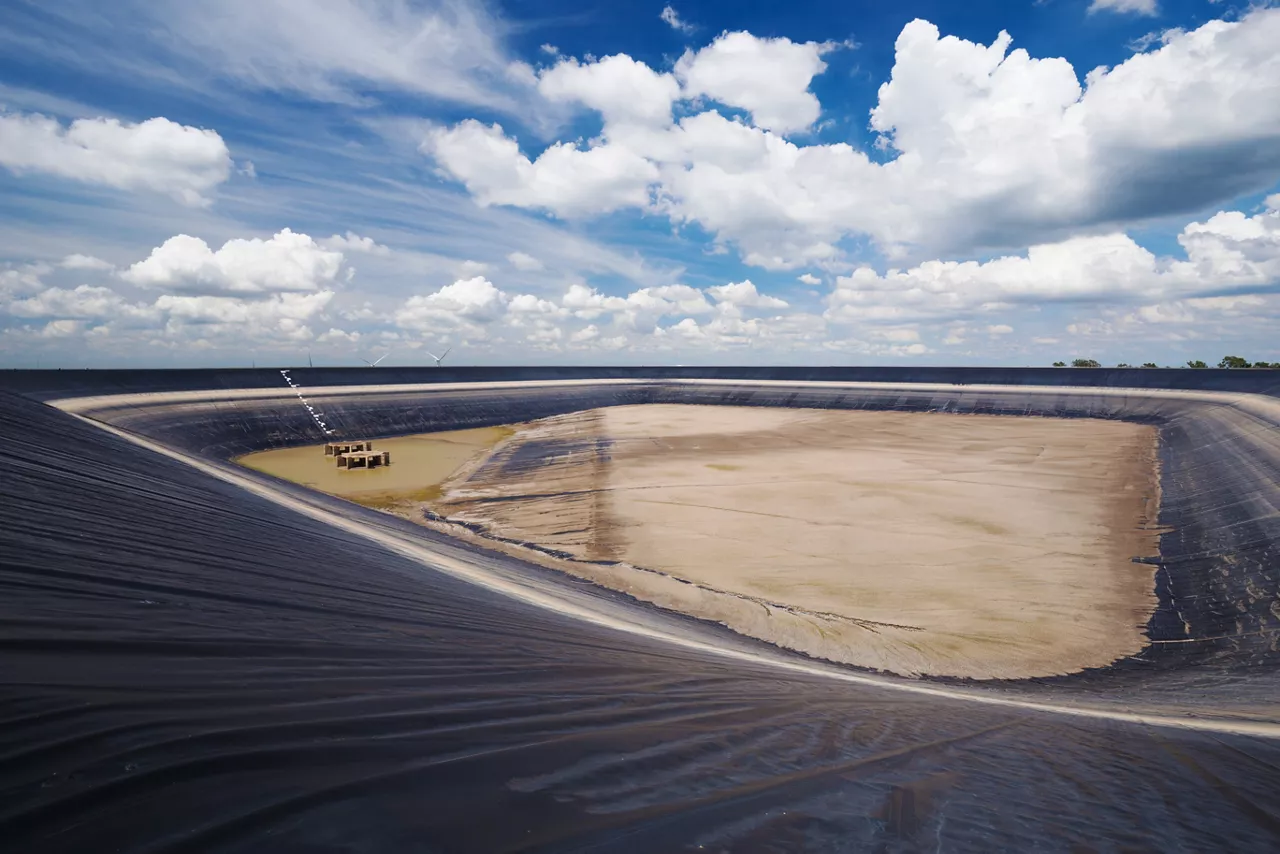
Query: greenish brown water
419, 464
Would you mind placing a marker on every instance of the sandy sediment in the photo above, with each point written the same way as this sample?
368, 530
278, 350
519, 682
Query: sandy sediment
975, 546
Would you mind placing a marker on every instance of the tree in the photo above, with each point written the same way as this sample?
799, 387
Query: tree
1085, 363
1124, 365
1150, 365
1233, 362
1059, 364
1196, 363
1266, 364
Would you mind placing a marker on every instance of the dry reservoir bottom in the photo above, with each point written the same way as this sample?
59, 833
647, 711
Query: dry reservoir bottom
915, 543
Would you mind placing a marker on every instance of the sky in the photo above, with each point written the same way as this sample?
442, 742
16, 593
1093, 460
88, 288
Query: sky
269, 182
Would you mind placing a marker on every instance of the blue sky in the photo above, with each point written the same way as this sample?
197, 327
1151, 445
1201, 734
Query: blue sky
207, 183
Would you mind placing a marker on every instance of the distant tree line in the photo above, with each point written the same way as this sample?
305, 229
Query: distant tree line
1224, 362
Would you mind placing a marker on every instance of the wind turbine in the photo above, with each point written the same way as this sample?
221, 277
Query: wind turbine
375, 364
439, 358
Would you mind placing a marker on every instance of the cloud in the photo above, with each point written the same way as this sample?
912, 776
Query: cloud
769, 78
545, 337
524, 261
83, 302
76, 261
988, 148
809, 279
1229, 253
672, 19
899, 335
644, 308
351, 242
24, 279
1235, 322
1134, 7
1223, 284
621, 89
109, 317
347, 50
157, 155
528, 304
286, 262
283, 311
63, 328
475, 300
338, 336
1146, 41
587, 303
1194, 310
566, 180
744, 295
1031, 154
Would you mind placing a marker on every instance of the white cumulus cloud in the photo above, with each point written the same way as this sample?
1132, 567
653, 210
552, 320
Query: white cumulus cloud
524, 261
588, 303
565, 179
621, 89
352, 242
156, 155
83, 302
475, 300
744, 295
285, 311
644, 308
769, 78
338, 336
286, 262
1228, 253
76, 261
989, 148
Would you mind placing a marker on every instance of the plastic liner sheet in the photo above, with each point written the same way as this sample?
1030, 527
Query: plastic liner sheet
188, 666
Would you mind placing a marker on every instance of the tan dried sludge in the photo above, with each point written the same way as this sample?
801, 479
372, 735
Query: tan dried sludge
916, 543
